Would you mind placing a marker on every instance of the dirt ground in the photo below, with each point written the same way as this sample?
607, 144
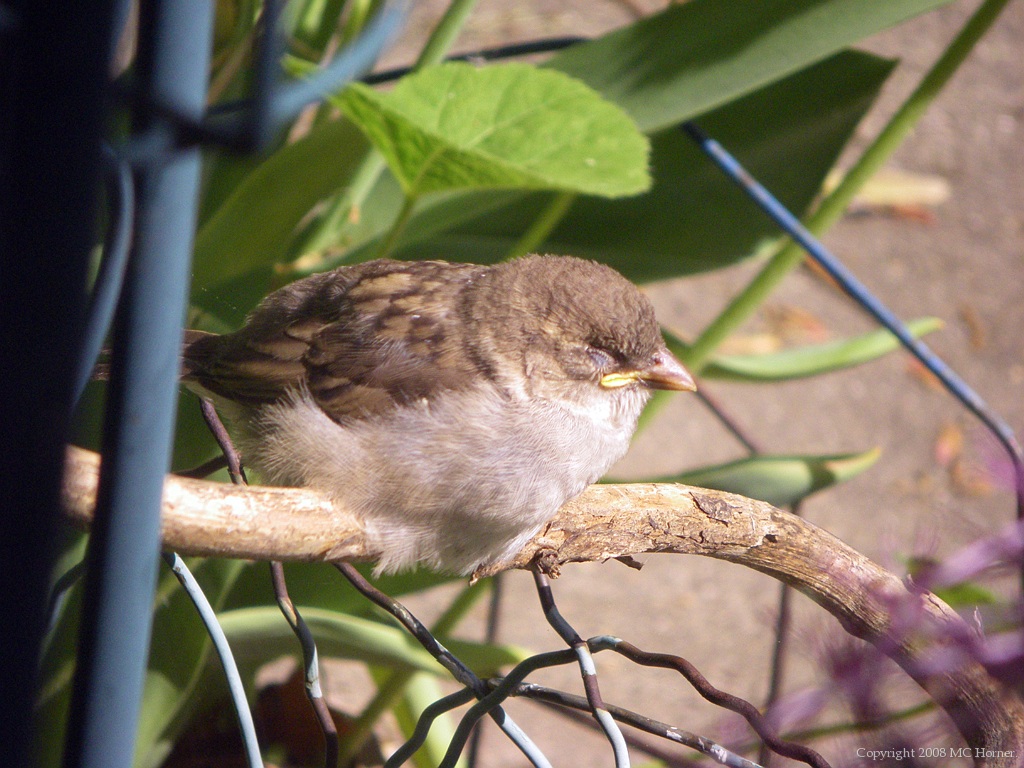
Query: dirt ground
961, 261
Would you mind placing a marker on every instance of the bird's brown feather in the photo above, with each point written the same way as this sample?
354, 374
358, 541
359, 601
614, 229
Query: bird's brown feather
366, 338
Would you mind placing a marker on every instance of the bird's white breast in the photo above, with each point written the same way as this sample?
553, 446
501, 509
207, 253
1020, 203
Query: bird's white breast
460, 481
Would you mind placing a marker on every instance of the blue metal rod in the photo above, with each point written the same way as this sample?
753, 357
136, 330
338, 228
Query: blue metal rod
514, 50
173, 60
107, 289
354, 61
251, 123
258, 126
863, 296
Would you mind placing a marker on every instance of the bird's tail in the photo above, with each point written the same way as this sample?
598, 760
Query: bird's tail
191, 337
101, 372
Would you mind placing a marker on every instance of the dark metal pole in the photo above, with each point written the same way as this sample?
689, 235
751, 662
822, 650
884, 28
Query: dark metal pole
173, 59
53, 86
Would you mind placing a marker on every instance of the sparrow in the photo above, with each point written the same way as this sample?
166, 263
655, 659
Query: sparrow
453, 407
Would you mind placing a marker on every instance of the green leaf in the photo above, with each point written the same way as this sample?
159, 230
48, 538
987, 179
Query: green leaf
754, 43
420, 692
813, 359
456, 126
255, 223
259, 634
697, 56
693, 219
318, 585
966, 595
262, 633
779, 480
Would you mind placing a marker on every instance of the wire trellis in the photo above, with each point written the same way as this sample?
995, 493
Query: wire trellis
246, 126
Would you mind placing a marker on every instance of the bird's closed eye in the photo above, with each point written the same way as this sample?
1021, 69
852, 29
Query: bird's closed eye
602, 359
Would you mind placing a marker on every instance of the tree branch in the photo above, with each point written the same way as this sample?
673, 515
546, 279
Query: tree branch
607, 521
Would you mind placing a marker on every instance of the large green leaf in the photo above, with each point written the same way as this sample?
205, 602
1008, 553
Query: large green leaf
779, 480
787, 134
813, 359
261, 634
456, 126
694, 57
319, 585
669, 67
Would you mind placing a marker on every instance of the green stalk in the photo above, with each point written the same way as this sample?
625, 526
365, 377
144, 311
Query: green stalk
444, 34
359, 12
328, 226
456, 612
553, 212
832, 207
327, 23
389, 690
397, 227
324, 232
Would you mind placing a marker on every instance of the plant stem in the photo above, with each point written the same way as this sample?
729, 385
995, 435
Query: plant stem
359, 12
832, 207
330, 224
397, 227
444, 34
542, 226
309, 247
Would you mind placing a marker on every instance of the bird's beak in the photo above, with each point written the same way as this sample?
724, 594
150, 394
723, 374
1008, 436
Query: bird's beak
664, 372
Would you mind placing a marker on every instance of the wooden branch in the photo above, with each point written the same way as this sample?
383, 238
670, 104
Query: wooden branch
606, 521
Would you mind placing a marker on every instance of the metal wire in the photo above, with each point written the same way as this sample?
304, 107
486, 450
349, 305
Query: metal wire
310, 657
854, 288
490, 637
426, 719
720, 698
513, 684
782, 646
250, 124
587, 667
579, 705
491, 701
445, 658
498, 53
356, 59
220, 433
515, 50
311, 665
220, 643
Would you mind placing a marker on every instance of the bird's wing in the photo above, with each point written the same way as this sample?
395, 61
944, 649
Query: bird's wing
361, 339
397, 340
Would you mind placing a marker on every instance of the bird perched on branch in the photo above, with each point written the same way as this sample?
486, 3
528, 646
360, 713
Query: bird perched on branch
453, 407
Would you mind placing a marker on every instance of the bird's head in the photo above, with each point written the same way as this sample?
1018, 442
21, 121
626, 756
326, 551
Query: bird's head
577, 329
